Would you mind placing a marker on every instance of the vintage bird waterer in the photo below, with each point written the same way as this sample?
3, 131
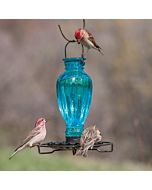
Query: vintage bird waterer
74, 94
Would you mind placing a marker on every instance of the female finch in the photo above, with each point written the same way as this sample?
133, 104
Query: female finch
90, 136
35, 136
85, 38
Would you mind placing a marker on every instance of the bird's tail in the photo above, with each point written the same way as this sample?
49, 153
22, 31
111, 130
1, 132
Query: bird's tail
17, 150
101, 50
84, 149
82, 152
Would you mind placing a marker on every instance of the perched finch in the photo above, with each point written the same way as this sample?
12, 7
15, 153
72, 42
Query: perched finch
35, 136
89, 136
85, 38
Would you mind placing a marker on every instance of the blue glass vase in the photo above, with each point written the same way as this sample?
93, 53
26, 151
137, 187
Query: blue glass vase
74, 94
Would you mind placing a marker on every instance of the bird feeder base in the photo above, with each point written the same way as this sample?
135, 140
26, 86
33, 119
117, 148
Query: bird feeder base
72, 139
101, 146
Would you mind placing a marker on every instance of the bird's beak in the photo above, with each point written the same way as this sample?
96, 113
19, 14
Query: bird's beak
47, 119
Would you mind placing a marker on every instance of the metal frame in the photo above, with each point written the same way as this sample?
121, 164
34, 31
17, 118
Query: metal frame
63, 146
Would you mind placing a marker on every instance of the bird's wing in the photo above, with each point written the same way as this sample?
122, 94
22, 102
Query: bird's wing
91, 38
32, 134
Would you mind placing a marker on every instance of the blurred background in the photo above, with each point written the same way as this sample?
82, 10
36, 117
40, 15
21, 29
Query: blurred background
31, 53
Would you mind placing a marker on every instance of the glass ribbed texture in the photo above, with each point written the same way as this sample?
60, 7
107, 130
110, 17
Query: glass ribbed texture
74, 93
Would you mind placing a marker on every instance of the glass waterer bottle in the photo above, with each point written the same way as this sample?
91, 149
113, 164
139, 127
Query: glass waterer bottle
74, 94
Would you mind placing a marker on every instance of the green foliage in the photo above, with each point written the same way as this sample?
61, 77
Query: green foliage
30, 160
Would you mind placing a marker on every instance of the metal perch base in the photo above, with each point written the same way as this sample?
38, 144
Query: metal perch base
63, 146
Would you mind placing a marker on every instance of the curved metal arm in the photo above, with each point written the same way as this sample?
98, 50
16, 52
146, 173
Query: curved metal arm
64, 35
71, 41
65, 49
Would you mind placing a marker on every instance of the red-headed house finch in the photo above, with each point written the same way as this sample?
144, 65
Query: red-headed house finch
85, 38
89, 136
35, 136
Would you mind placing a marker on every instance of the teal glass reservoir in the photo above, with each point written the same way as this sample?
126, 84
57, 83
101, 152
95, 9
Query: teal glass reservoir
74, 94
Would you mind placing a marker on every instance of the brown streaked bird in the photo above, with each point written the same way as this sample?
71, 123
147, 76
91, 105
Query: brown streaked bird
86, 38
35, 136
89, 136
